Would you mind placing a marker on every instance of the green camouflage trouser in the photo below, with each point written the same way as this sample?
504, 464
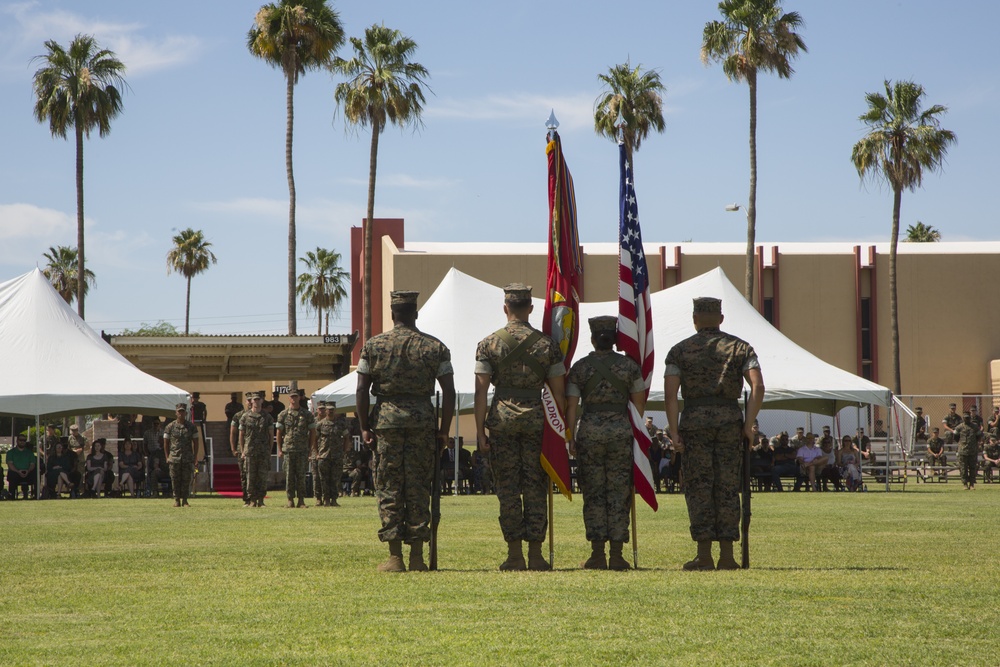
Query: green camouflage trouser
520, 482
243, 476
327, 479
968, 467
181, 473
256, 466
296, 465
711, 468
403, 483
604, 470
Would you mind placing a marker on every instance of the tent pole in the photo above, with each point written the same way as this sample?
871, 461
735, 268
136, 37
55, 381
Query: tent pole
38, 458
458, 447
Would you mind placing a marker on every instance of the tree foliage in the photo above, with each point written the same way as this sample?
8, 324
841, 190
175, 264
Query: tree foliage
384, 86
81, 88
638, 96
61, 270
322, 286
921, 233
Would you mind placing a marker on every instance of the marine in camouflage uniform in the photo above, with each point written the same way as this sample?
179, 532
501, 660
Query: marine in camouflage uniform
518, 368
256, 433
967, 435
936, 456
400, 367
601, 384
296, 429
709, 368
951, 422
178, 447
234, 440
332, 440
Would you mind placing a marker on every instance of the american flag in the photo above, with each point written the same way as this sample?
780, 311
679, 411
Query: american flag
635, 320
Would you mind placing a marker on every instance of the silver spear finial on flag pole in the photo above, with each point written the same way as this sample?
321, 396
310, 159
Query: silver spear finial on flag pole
551, 124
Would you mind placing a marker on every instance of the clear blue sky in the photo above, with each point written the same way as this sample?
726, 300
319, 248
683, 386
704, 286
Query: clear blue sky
201, 140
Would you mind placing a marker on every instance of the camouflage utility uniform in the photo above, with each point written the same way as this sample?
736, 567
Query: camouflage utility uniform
711, 365
293, 428
180, 460
515, 422
604, 380
330, 434
967, 435
936, 455
403, 364
256, 452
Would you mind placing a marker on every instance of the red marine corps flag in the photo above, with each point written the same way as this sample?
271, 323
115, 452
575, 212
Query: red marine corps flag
561, 319
635, 320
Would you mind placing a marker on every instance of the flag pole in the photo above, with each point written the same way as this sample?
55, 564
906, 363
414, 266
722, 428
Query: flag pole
635, 534
550, 125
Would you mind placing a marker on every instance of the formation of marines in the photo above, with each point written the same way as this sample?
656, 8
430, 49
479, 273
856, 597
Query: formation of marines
407, 431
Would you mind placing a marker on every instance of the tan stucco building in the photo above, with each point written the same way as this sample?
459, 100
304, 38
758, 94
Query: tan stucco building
830, 298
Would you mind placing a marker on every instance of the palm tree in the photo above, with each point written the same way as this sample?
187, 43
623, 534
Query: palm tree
189, 257
639, 97
61, 272
80, 88
295, 36
754, 36
322, 285
903, 140
921, 233
383, 86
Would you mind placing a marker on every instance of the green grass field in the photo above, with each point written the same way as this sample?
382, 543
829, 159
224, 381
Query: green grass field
838, 579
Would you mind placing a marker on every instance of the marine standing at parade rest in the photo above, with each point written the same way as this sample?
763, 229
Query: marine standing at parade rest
333, 440
709, 368
400, 367
967, 436
296, 429
256, 433
234, 441
178, 447
518, 361
601, 385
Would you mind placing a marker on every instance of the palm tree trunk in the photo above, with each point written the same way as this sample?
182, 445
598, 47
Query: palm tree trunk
752, 199
369, 232
897, 197
319, 320
187, 308
81, 269
289, 89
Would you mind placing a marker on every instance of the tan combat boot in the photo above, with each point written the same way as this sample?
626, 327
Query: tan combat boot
536, 561
417, 563
703, 561
515, 558
726, 560
616, 561
395, 562
597, 560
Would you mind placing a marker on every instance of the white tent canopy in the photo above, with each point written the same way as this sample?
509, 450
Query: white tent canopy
54, 365
463, 310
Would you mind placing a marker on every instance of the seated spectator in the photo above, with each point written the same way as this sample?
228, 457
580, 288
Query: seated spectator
360, 472
784, 460
799, 439
156, 471
482, 474
936, 456
100, 475
655, 456
848, 460
880, 431
129, 467
670, 465
762, 461
811, 461
830, 471
921, 426
448, 466
994, 423
57, 469
21, 462
991, 458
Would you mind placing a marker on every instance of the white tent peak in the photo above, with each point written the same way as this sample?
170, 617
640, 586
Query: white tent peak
54, 364
464, 310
